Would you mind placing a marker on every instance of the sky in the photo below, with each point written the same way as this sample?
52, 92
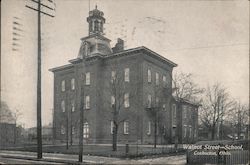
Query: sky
209, 39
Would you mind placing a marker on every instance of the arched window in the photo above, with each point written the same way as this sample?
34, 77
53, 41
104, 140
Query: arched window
96, 25
86, 130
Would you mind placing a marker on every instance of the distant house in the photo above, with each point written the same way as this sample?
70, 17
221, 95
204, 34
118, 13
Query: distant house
184, 121
46, 133
9, 134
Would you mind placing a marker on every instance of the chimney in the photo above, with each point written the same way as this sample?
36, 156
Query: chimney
119, 46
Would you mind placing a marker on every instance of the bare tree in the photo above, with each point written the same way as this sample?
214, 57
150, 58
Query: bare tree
185, 88
154, 109
216, 105
239, 117
5, 113
120, 98
16, 116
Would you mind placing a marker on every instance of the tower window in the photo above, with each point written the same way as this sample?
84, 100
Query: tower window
96, 25
126, 75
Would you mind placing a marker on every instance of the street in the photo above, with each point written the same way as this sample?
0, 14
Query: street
22, 161
18, 157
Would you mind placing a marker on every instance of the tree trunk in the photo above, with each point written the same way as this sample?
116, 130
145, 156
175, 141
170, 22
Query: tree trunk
155, 132
15, 133
213, 131
115, 130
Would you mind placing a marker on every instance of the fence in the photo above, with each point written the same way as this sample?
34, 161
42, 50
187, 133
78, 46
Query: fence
235, 157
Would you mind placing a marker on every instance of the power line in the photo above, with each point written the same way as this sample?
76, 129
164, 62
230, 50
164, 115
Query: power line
208, 47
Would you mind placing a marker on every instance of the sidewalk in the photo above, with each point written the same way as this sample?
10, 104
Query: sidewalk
58, 158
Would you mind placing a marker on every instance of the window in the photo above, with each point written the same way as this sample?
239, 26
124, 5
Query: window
126, 100
63, 85
125, 127
164, 130
149, 76
72, 106
113, 76
86, 130
72, 84
96, 25
157, 78
87, 102
62, 130
190, 112
190, 131
184, 111
164, 107
195, 133
111, 127
174, 114
73, 130
149, 128
149, 101
63, 106
157, 101
126, 75
112, 101
164, 79
185, 131
87, 76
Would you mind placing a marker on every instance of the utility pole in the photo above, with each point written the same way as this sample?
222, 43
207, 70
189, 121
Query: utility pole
39, 117
81, 123
67, 121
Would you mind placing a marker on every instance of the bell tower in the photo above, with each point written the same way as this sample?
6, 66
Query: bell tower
95, 44
96, 21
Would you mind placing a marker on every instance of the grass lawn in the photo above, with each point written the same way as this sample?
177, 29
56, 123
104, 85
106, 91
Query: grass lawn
102, 150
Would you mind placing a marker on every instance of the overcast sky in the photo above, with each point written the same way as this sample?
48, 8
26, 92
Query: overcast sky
206, 38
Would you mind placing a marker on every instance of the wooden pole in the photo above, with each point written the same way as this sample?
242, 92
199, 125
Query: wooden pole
39, 118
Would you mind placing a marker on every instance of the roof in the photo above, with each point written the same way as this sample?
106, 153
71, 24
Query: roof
96, 35
61, 67
183, 100
122, 53
142, 48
